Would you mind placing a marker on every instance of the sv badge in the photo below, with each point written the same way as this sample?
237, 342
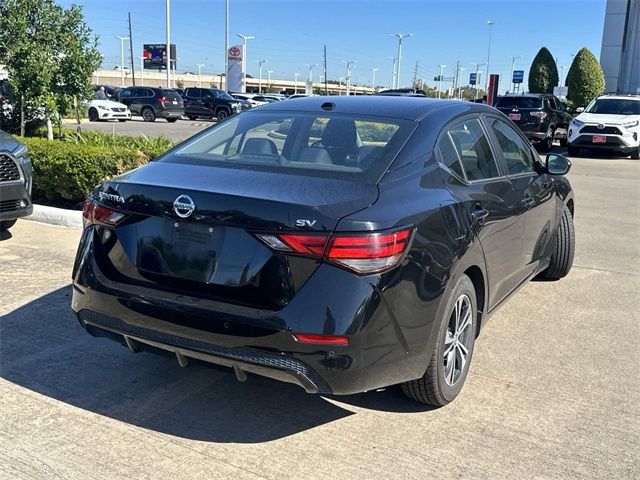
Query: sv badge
303, 222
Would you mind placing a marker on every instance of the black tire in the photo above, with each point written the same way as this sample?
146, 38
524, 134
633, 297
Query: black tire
636, 154
94, 116
6, 225
172, 120
573, 151
192, 117
222, 114
122, 119
563, 142
433, 388
547, 143
148, 115
564, 249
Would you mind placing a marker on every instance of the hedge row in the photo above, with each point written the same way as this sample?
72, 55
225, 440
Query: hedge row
65, 172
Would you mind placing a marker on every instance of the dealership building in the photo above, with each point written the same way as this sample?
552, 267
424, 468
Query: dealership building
620, 53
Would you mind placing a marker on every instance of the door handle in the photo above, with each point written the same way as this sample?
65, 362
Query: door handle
548, 185
528, 202
479, 215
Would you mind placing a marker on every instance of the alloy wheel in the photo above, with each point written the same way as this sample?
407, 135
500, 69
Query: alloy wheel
458, 339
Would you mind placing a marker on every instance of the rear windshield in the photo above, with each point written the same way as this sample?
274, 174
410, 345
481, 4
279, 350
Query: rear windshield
614, 106
519, 102
171, 95
323, 144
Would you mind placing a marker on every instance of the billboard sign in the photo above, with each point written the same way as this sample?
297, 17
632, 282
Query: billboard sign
518, 76
235, 74
472, 78
155, 55
561, 92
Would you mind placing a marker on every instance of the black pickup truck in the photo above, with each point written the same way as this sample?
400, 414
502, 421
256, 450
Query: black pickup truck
209, 102
15, 181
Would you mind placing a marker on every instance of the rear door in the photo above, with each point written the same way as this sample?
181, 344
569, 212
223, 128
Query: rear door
533, 190
488, 197
127, 97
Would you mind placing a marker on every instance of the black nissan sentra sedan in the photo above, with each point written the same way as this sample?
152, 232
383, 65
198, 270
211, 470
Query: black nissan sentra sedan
342, 244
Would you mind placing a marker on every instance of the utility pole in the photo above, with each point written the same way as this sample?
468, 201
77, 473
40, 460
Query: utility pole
393, 71
340, 85
400, 36
168, 18
455, 78
513, 67
562, 76
440, 79
133, 70
348, 76
141, 71
260, 62
122, 40
415, 75
373, 78
226, 44
269, 72
490, 23
200, 65
326, 80
295, 84
245, 39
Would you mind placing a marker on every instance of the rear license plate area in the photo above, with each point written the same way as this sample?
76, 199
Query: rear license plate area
599, 139
514, 116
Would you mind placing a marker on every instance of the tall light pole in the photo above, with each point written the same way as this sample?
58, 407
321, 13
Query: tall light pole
393, 71
122, 40
373, 77
260, 62
295, 83
226, 44
513, 68
141, 71
562, 75
440, 79
168, 17
490, 23
311, 70
348, 76
400, 36
269, 72
200, 65
245, 39
340, 85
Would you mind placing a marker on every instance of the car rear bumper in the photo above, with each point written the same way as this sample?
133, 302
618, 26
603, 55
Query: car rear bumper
15, 201
170, 113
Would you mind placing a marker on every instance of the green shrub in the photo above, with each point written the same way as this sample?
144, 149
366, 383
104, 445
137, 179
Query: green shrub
543, 75
152, 146
585, 78
65, 172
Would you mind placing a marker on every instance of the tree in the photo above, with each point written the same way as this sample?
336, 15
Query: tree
543, 75
50, 55
585, 78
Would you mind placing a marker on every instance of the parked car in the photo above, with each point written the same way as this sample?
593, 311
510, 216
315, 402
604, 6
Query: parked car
610, 122
541, 116
210, 103
15, 181
151, 103
247, 97
363, 246
107, 110
403, 92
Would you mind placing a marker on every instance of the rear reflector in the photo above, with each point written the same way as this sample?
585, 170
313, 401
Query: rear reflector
321, 339
94, 213
362, 253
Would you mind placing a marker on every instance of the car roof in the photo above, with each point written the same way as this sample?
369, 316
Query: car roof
525, 95
408, 108
621, 97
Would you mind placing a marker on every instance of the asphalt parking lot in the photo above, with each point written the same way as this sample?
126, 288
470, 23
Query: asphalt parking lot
553, 391
180, 130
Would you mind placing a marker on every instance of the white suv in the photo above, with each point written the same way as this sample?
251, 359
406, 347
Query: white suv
610, 122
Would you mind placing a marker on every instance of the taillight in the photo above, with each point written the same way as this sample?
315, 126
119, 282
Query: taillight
540, 115
163, 100
95, 214
362, 253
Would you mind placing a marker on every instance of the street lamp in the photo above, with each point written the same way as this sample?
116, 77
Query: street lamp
311, 70
490, 23
340, 85
199, 65
269, 72
348, 77
400, 36
562, 75
295, 84
260, 62
393, 71
513, 67
440, 79
373, 77
245, 39
141, 71
122, 40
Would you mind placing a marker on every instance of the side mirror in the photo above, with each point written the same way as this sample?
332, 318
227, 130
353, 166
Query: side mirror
579, 109
558, 164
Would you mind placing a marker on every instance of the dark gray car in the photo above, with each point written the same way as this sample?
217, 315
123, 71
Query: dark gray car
15, 181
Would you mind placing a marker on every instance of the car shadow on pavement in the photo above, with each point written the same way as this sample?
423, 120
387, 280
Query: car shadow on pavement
44, 349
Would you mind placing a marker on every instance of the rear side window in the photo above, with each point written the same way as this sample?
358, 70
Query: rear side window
449, 155
519, 102
472, 146
334, 145
171, 95
515, 151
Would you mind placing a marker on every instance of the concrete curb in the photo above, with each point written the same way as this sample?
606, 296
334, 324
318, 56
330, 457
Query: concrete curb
56, 216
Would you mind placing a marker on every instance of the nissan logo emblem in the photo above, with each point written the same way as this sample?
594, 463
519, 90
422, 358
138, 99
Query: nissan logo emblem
183, 206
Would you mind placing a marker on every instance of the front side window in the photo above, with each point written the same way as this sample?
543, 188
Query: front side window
473, 148
515, 151
336, 145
